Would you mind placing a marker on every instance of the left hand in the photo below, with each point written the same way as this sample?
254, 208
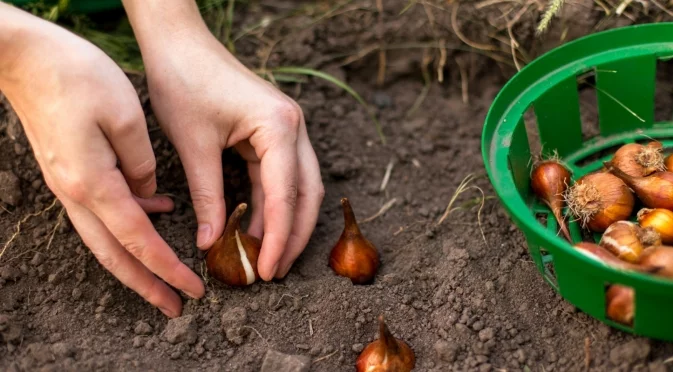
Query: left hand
205, 101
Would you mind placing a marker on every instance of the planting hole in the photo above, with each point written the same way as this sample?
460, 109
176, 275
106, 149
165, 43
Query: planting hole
530, 120
588, 104
663, 96
620, 304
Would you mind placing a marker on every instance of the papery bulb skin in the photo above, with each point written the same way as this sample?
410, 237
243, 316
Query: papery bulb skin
626, 240
604, 256
620, 304
659, 219
638, 160
386, 354
668, 163
660, 257
549, 181
233, 257
655, 190
354, 256
600, 199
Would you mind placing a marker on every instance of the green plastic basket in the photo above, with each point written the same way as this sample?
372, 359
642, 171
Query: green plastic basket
624, 62
80, 6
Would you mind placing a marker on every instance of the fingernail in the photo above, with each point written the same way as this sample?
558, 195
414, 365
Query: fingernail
167, 312
203, 234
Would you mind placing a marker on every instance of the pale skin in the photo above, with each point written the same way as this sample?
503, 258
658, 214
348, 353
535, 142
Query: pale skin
82, 115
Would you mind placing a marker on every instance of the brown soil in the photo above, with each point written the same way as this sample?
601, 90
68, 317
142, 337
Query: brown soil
461, 303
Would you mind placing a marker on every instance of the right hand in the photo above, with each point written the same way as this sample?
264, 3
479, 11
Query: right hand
82, 115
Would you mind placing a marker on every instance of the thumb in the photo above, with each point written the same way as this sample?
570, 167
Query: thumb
203, 167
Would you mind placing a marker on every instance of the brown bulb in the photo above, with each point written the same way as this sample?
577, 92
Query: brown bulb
655, 190
354, 256
626, 240
233, 257
659, 219
604, 256
620, 304
668, 163
660, 257
386, 354
638, 160
600, 199
549, 181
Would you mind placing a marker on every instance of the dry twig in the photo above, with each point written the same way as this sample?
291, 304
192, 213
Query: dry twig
381, 211
461, 36
386, 176
59, 220
23, 220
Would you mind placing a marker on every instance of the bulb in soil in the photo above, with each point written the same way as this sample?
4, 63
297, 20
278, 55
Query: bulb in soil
626, 240
600, 199
386, 354
659, 219
655, 190
549, 181
638, 160
233, 257
354, 256
620, 304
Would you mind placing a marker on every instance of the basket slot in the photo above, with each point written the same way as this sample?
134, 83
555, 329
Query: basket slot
625, 91
520, 159
558, 117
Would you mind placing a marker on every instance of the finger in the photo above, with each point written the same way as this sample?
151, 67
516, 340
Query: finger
125, 219
203, 167
279, 182
156, 204
310, 193
131, 142
121, 263
256, 227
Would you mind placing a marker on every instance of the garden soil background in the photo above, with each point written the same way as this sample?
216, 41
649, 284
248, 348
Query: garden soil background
463, 301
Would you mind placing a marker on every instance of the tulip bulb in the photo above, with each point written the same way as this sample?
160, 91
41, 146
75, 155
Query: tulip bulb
549, 181
626, 240
660, 257
638, 160
233, 257
600, 199
604, 256
387, 354
354, 256
659, 219
655, 190
620, 304
668, 163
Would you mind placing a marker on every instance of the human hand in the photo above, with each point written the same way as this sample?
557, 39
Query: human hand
82, 115
205, 101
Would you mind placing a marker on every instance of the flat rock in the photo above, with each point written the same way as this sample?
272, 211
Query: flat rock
275, 361
182, 329
10, 188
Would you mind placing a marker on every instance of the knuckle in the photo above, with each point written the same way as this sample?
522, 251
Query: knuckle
289, 114
143, 170
126, 124
202, 197
75, 187
321, 191
137, 249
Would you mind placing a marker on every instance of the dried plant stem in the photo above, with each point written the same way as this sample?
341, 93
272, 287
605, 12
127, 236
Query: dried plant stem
386, 176
59, 220
23, 220
464, 83
381, 211
325, 357
258, 334
462, 187
461, 36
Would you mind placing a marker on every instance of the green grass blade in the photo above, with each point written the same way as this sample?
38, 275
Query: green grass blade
338, 83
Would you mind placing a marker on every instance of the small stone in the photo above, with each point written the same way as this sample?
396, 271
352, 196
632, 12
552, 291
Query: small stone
382, 100
105, 300
254, 306
182, 329
486, 334
357, 348
76, 293
10, 188
137, 342
142, 328
10, 273
38, 259
446, 352
478, 326
19, 149
631, 352
275, 361
63, 349
236, 316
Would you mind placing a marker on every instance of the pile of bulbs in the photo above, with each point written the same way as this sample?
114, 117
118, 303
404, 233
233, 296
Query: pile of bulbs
605, 202
233, 260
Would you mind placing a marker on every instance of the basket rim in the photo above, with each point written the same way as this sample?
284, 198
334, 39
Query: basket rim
514, 99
